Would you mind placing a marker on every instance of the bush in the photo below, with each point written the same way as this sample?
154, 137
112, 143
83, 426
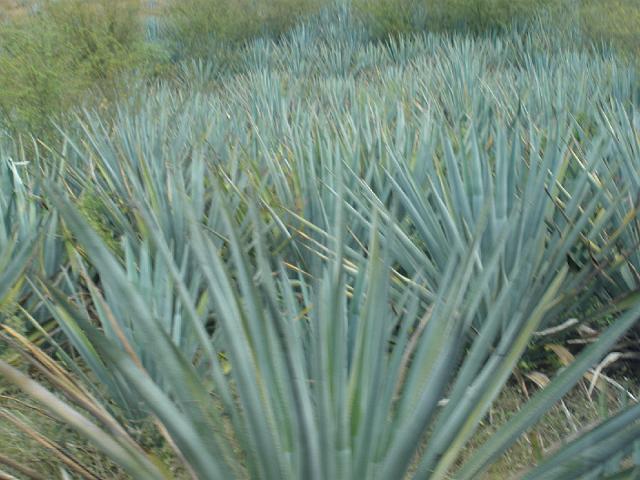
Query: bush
105, 34
618, 23
614, 21
390, 17
195, 25
50, 59
34, 75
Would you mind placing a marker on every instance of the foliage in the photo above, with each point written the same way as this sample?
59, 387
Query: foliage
387, 17
617, 22
49, 59
612, 22
19, 227
196, 26
325, 259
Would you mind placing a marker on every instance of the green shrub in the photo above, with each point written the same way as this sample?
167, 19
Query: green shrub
195, 25
618, 22
105, 34
392, 17
50, 59
614, 22
35, 75
482, 14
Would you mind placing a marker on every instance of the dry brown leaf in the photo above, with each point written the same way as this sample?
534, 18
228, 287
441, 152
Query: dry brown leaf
539, 378
564, 355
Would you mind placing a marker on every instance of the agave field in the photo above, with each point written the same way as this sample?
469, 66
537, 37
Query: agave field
323, 257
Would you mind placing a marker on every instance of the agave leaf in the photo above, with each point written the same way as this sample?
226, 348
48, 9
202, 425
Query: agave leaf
540, 402
130, 459
17, 259
594, 447
243, 358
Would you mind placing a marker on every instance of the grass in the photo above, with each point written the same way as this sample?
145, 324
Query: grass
577, 411
34, 439
64, 446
